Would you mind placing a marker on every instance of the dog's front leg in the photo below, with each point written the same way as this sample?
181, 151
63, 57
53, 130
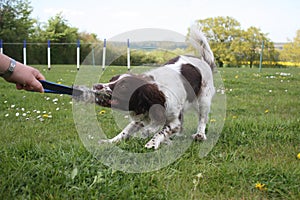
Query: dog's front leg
131, 128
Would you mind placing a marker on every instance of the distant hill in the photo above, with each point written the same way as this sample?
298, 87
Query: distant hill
152, 45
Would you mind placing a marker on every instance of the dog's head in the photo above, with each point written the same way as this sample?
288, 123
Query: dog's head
130, 93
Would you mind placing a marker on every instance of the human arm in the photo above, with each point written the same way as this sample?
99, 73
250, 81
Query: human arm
25, 77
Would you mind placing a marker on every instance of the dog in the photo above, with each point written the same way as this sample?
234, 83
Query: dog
159, 97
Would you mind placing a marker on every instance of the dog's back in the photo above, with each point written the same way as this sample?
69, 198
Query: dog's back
184, 77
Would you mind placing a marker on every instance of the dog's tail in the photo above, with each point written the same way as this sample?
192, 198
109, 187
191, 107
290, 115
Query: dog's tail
200, 43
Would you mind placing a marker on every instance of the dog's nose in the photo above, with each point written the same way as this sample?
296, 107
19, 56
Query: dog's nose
98, 87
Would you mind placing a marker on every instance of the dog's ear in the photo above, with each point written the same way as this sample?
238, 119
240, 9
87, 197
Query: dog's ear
145, 97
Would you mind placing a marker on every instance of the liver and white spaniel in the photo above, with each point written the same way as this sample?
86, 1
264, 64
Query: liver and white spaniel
158, 98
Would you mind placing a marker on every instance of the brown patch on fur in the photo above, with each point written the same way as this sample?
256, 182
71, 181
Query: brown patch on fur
135, 93
145, 97
192, 81
114, 78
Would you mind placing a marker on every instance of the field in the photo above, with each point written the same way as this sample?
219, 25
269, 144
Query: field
42, 156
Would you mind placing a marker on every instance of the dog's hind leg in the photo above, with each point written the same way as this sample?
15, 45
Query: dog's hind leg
204, 109
131, 128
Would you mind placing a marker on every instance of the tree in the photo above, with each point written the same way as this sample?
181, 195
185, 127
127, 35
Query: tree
233, 46
248, 45
59, 32
291, 50
15, 23
221, 31
90, 42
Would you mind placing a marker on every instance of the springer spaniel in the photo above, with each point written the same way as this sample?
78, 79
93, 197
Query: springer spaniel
158, 98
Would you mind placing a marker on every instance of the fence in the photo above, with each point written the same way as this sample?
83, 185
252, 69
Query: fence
64, 53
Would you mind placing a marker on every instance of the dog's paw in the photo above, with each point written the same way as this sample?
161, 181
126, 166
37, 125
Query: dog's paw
151, 144
199, 136
155, 142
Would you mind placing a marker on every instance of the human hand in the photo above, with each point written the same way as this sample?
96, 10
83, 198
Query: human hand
26, 78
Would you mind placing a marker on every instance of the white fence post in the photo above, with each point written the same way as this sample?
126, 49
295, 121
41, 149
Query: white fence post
49, 56
104, 54
128, 55
24, 53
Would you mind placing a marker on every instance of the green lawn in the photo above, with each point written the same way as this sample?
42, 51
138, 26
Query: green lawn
42, 156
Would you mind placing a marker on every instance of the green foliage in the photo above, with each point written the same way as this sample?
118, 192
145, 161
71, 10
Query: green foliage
248, 46
233, 46
291, 50
45, 159
221, 31
15, 23
16, 26
57, 30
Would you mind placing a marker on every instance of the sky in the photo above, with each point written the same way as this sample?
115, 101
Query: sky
280, 19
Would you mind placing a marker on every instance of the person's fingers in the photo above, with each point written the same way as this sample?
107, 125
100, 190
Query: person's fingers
35, 85
39, 76
19, 86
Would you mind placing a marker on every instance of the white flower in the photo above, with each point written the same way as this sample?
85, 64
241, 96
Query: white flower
199, 175
90, 137
17, 114
12, 106
284, 74
55, 100
57, 109
38, 112
6, 115
24, 114
5, 102
270, 91
23, 109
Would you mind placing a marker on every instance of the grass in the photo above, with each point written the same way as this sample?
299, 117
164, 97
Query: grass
42, 156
